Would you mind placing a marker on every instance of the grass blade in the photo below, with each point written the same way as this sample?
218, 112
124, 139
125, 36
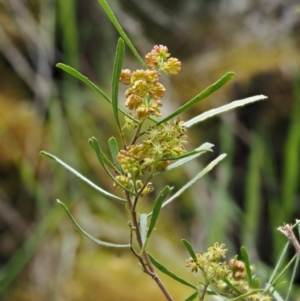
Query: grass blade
166, 271
97, 241
156, 208
79, 175
233, 105
208, 168
84, 79
204, 94
116, 78
119, 28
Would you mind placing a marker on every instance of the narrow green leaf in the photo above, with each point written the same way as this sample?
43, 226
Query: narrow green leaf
114, 150
233, 105
166, 271
84, 79
192, 297
244, 296
100, 157
143, 227
115, 22
97, 241
204, 94
189, 249
282, 272
256, 283
116, 79
197, 151
232, 286
156, 208
208, 168
76, 173
105, 159
278, 264
292, 278
245, 258
205, 147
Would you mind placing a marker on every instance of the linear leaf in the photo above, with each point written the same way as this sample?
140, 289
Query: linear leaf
292, 278
119, 28
244, 296
116, 79
232, 286
205, 147
278, 264
192, 297
97, 241
208, 168
76, 173
189, 248
143, 227
204, 94
114, 150
233, 105
84, 79
100, 156
156, 208
166, 271
105, 159
245, 258
197, 151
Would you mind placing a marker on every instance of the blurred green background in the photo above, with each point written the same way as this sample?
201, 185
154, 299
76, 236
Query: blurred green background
242, 202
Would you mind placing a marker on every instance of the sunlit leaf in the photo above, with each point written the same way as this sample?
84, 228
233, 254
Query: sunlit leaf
233, 105
97, 241
76, 173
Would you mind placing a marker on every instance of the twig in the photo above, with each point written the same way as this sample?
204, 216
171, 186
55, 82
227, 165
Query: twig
287, 230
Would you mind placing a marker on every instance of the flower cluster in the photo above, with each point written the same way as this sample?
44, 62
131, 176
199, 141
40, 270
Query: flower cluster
209, 263
143, 97
219, 273
162, 142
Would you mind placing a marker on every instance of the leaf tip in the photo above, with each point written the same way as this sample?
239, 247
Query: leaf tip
45, 154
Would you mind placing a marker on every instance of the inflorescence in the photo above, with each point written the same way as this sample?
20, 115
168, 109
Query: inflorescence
162, 142
218, 273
